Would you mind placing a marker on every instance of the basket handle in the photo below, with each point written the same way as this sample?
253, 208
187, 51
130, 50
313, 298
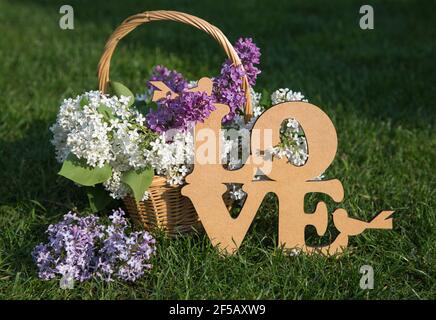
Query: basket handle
134, 21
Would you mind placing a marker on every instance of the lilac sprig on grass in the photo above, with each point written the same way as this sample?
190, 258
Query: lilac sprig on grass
82, 247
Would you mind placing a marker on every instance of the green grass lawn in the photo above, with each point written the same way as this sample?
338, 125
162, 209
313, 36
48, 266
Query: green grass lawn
377, 86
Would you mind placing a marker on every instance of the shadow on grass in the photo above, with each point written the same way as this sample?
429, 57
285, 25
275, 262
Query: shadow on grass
30, 170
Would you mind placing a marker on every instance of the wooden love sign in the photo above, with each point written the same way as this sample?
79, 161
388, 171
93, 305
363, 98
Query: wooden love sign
207, 183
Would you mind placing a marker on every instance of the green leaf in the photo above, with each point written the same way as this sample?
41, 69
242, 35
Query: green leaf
98, 198
141, 106
144, 108
138, 181
120, 89
83, 102
152, 105
106, 112
78, 171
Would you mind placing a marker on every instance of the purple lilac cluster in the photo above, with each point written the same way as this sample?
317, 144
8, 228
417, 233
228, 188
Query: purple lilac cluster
228, 85
227, 89
249, 54
82, 247
173, 79
178, 113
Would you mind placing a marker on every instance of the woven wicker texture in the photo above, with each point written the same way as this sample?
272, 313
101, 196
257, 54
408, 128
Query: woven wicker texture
166, 209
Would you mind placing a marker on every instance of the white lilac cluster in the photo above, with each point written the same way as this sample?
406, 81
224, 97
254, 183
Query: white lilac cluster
285, 95
255, 102
173, 160
236, 193
117, 189
103, 129
79, 129
293, 144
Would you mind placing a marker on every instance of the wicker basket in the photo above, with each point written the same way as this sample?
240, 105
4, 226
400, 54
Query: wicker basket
166, 208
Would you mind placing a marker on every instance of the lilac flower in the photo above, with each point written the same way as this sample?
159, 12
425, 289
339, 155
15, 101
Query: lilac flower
189, 108
228, 85
84, 248
181, 112
173, 79
227, 89
249, 54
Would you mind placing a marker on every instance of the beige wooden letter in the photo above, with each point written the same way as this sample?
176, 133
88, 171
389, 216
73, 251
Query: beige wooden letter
206, 184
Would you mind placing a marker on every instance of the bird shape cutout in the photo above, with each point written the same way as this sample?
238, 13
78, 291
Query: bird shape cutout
207, 182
